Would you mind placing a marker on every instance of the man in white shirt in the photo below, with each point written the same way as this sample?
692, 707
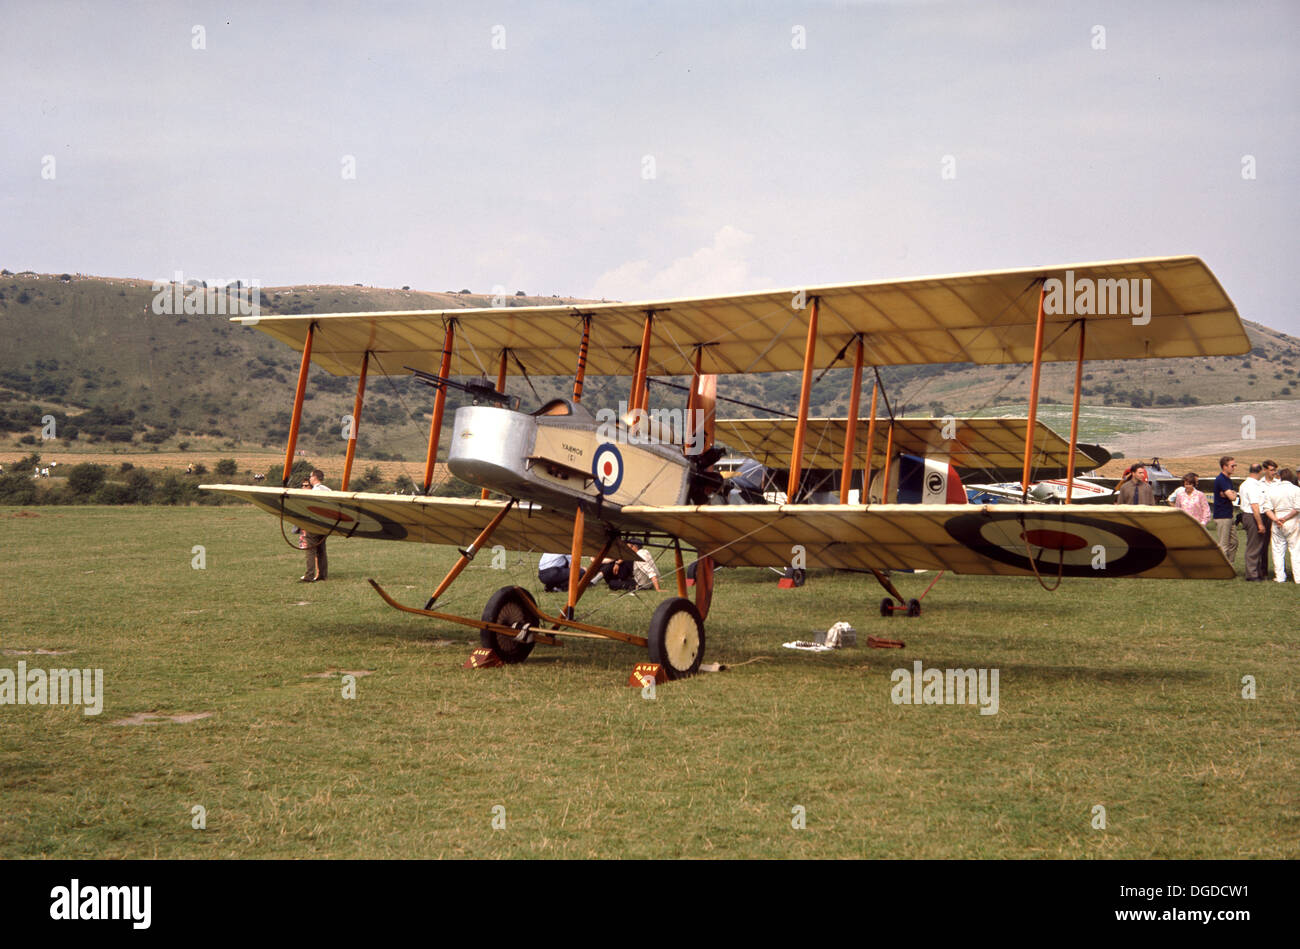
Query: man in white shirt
647, 574
553, 572
1254, 504
1281, 502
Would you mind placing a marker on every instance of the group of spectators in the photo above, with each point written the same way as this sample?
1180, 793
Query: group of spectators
1266, 506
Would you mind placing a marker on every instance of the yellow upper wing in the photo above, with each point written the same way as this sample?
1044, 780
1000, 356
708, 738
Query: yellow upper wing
986, 317
965, 442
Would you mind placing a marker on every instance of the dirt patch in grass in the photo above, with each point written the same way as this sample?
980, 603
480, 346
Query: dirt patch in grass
155, 718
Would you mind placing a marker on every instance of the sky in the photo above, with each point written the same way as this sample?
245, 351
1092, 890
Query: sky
647, 150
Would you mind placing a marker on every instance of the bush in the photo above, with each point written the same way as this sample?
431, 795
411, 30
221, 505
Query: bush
126, 466
113, 493
226, 468
17, 488
84, 479
200, 468
141, 488
175, 491
299, 473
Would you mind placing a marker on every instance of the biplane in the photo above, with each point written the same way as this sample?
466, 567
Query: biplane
565, 478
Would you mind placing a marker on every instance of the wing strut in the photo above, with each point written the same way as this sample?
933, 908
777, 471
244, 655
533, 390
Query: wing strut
501, 387
805, 393
1033, 391
1074, 413
871, 444
889, 462
468, 553
439, 405
297, 405
356, 421
850, 437
581, 375
639, 395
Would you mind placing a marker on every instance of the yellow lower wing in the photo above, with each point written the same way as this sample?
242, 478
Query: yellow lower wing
423, 520
1120, 541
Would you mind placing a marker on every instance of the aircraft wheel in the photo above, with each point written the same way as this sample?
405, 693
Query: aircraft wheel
913, 607
676, 638
510, 606
886, 607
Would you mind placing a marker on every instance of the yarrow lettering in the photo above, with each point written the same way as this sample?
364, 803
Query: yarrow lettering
946, 687
55, 687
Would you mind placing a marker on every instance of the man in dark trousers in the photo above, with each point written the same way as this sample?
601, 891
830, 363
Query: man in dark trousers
553, 572
1255, 505
316, 561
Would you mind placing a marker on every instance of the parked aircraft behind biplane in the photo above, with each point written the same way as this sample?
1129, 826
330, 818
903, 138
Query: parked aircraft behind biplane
588, 483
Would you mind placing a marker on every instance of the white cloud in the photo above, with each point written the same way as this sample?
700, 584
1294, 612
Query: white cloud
722, 267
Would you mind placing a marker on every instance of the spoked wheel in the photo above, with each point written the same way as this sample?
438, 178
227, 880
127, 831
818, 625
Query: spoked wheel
676, 637
913, 607
509, 606
886, 607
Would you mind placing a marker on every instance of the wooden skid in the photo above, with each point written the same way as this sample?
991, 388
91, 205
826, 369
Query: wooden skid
570, 627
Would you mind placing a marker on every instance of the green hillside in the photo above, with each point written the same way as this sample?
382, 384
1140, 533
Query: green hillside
92, 352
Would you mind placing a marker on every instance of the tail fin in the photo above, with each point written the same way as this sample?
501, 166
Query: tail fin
928, 481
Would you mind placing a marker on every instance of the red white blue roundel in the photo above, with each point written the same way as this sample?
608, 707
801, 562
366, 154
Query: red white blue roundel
607, 468
1064, 543
332, 517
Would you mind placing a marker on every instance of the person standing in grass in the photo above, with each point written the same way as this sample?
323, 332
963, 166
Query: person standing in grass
1190, 500
1225, 500
1136, 489
1284, 532
1253, 501
316, 561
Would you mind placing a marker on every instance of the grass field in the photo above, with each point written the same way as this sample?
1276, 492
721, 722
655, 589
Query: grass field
1123, 693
